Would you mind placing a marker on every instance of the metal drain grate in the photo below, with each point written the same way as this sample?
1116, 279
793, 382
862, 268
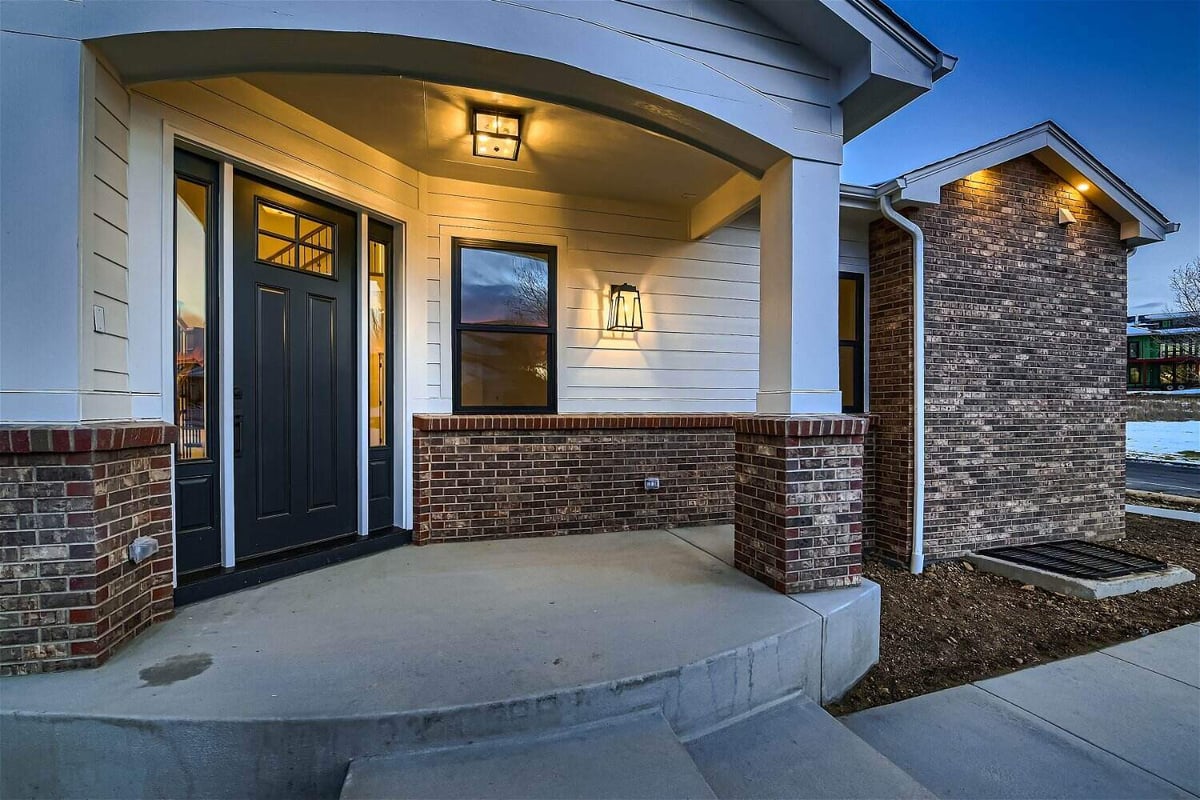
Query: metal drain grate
1077, 558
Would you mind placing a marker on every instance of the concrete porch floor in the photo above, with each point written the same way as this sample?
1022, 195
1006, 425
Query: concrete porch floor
279, 686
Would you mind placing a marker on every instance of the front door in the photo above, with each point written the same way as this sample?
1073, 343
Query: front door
294, 404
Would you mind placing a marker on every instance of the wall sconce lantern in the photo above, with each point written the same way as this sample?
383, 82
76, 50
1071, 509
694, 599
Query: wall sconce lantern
497, 133
624, 308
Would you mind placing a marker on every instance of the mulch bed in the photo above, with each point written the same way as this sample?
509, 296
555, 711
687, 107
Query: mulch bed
955, 624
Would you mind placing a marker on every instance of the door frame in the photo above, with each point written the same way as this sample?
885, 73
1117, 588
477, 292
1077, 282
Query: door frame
230, 158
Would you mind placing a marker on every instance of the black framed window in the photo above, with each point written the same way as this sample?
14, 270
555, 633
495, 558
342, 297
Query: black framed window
851, 313
504, 327
1134, 349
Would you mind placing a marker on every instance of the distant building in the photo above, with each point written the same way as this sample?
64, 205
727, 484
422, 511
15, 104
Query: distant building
1164, 351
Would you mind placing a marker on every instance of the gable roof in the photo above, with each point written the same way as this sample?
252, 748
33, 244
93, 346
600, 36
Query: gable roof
1141, 223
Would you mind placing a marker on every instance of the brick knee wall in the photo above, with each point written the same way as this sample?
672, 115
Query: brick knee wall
490, 477
71, 501
1025, 363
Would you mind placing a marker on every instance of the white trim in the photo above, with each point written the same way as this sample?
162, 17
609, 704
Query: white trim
225, 293
363, 357
402, 429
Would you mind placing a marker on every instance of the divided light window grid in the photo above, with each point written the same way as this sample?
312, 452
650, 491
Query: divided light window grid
504, 327
292, 240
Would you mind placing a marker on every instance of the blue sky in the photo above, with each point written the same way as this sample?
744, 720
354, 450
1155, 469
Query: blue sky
1123, 78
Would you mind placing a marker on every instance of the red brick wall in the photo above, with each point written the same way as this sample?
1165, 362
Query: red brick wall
488, 477
891, 388
71, 501
1025, 362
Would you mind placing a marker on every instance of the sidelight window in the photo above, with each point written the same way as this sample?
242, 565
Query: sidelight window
378, 259
504, 314
193, 250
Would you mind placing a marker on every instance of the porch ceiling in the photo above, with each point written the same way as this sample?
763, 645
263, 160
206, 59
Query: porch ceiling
563, 149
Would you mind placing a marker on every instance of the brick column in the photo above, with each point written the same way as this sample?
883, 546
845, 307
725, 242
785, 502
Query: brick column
798, 500
72, 499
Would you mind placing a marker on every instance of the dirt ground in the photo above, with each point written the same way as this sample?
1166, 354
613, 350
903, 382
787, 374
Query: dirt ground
954, 625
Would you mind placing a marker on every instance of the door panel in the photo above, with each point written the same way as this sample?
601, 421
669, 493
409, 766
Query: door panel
294, 388
322, 402
272, 412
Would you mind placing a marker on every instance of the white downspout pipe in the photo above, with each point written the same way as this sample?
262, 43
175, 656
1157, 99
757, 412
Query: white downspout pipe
917, 562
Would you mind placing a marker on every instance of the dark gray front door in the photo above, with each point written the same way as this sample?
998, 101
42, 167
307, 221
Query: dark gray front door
293, 374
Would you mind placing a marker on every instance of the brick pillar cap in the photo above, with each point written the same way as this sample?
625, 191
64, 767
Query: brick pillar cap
85, 437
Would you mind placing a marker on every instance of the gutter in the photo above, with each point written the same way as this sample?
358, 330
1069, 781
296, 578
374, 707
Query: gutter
917, 562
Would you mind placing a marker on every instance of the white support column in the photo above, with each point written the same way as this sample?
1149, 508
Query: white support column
41, 302
798, 284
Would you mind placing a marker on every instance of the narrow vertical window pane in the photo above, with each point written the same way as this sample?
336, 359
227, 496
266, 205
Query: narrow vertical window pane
377, 260
850, 352
846, 366
847, 309
191, 322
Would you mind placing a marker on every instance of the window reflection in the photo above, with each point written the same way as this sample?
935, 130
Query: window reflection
191, 317
504, 369
503, 287
377, 268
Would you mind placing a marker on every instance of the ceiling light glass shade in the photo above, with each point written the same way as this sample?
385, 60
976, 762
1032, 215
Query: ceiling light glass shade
625, 308
497, 133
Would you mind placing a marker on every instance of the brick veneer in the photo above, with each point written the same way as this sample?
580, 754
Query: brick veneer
489, 476
798, 500
71, 500
1025, 355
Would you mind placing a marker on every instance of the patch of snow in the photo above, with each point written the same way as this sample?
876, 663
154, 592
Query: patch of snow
1163, 441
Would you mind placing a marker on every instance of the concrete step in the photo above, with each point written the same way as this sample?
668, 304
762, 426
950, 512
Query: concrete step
636, 756
794, 749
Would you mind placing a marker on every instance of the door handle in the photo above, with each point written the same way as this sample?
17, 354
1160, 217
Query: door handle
237, 435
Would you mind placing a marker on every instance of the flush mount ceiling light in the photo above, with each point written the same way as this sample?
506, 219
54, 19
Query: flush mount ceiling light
624, 308
497, 133
1083, 187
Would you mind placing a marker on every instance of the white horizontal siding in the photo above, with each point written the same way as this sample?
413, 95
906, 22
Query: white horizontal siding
699, 348
853, 246
106, 256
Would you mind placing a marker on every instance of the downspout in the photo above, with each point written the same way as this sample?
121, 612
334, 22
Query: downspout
917, 562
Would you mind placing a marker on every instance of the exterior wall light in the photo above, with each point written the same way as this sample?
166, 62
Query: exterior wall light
497, 133
624, 308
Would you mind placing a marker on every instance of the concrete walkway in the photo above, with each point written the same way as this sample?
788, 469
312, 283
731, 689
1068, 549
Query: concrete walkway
1120, 723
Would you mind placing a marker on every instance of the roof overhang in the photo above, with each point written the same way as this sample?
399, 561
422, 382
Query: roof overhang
1141, 223
883, 62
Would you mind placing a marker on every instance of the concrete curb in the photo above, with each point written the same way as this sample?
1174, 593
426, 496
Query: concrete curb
1164, 513
1084, 588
